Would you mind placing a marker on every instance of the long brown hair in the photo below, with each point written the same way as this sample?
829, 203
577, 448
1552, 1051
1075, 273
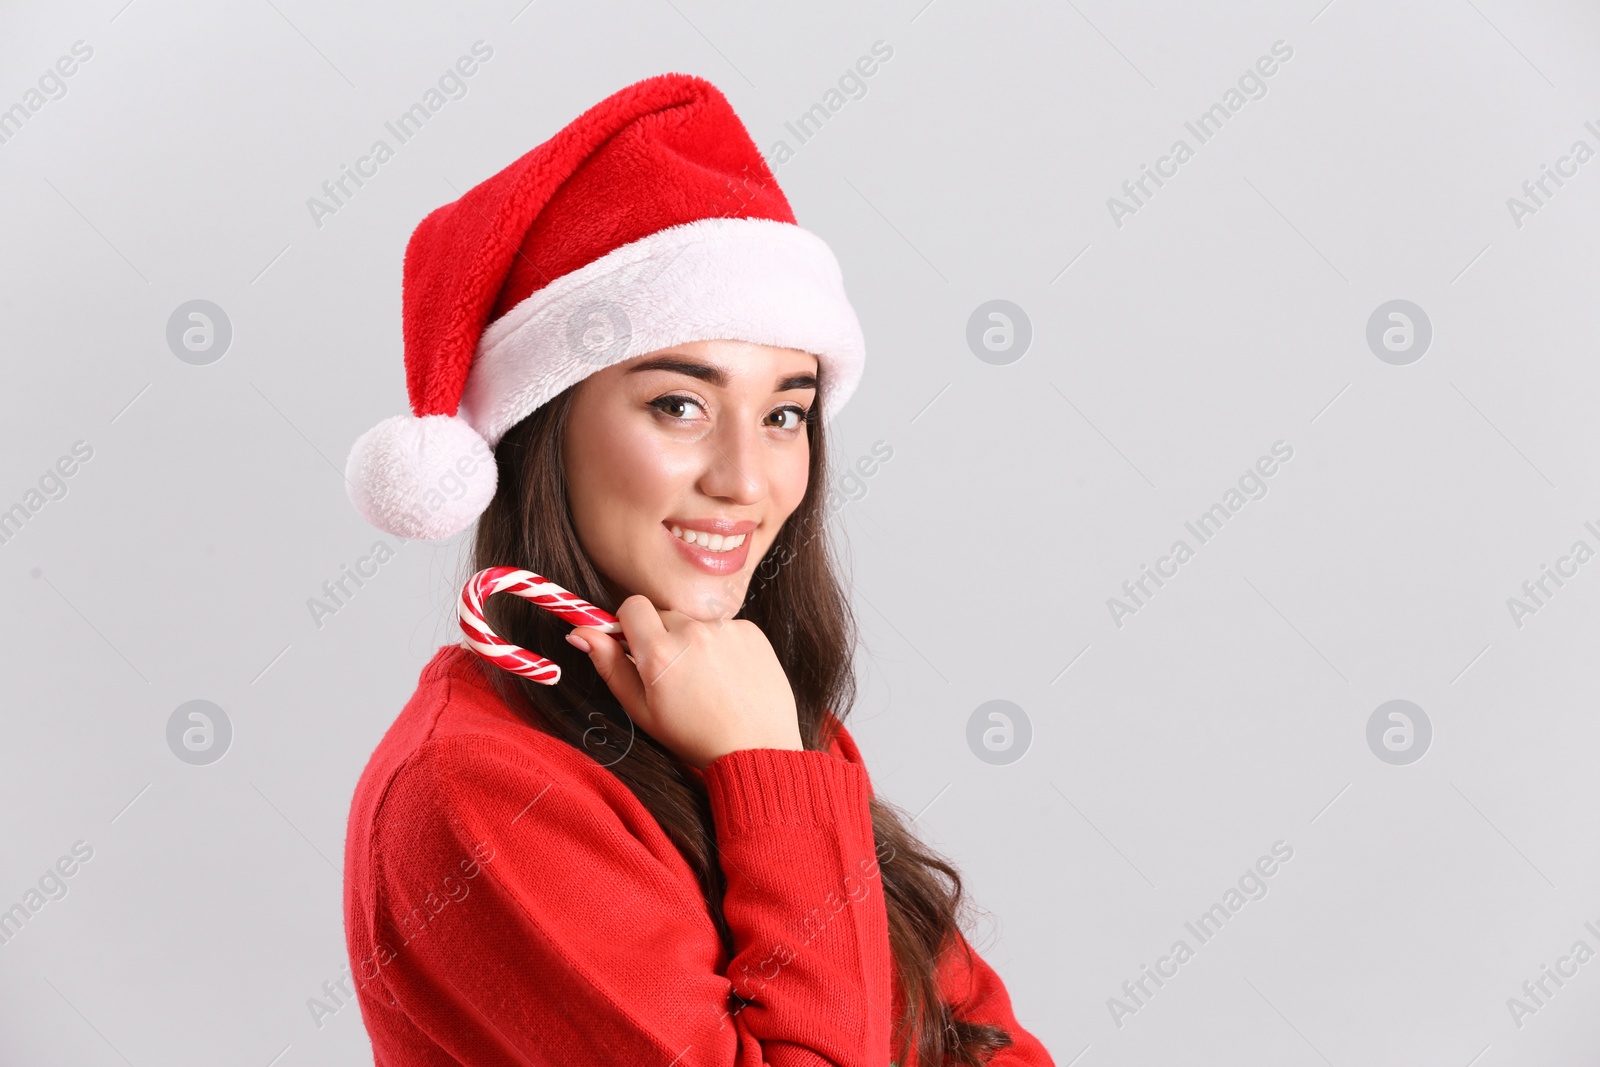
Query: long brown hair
798, 602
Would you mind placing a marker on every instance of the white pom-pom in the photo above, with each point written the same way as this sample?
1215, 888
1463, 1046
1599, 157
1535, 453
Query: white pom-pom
424, 478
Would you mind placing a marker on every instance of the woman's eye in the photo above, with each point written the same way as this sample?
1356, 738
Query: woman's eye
788, 417
676, 406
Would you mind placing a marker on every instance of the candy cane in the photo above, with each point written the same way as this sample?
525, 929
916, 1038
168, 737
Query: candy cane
541, 591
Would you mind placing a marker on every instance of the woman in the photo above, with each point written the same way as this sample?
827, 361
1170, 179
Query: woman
672, 856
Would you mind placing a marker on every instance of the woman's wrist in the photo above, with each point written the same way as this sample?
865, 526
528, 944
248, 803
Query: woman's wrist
788, 743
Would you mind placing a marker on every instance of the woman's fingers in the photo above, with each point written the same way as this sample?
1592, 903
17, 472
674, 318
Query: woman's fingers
701, 689
641, 623
654, 638
615, 669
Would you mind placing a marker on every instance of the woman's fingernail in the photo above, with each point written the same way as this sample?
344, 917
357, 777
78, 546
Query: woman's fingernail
577, 642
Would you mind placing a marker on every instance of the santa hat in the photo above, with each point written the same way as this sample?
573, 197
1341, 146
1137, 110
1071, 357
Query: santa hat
651, 220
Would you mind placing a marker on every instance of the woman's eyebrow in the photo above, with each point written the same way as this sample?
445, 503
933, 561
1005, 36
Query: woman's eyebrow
716, 375
704, 371
797, 381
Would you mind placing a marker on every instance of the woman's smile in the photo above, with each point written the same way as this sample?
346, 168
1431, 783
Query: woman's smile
716, 546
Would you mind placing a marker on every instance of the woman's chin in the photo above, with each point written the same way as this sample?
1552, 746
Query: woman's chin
708, 600
675, 586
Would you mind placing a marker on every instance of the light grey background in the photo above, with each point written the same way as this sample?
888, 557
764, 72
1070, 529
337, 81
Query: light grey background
1167, 754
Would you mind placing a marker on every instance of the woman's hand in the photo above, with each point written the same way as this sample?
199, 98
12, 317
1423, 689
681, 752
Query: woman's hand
702, 689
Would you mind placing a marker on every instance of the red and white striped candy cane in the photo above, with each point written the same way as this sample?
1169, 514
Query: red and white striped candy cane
541, 591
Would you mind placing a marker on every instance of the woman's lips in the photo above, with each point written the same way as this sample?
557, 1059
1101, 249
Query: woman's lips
727, 562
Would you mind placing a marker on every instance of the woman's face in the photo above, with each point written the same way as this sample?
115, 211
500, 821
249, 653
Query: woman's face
705, 440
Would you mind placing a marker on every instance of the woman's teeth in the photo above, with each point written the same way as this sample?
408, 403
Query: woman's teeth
711, 542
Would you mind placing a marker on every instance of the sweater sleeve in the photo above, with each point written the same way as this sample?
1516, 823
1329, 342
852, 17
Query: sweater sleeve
967, 983
528, 915
975, 993
805, 904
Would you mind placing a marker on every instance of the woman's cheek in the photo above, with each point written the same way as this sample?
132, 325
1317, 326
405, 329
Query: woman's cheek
643, 473
789, 483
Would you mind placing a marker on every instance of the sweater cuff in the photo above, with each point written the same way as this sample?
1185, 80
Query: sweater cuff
764, 787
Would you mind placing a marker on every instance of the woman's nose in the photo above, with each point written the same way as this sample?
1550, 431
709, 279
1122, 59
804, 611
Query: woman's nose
735, 465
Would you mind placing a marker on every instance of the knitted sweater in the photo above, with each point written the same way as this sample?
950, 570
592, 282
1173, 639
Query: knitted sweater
508, 901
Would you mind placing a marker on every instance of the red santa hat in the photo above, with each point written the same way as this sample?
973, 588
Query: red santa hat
650, 220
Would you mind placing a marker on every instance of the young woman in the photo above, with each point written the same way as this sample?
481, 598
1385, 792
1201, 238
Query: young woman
672, 856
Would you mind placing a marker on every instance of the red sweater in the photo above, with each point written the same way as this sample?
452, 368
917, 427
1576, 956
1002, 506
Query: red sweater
508, 901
